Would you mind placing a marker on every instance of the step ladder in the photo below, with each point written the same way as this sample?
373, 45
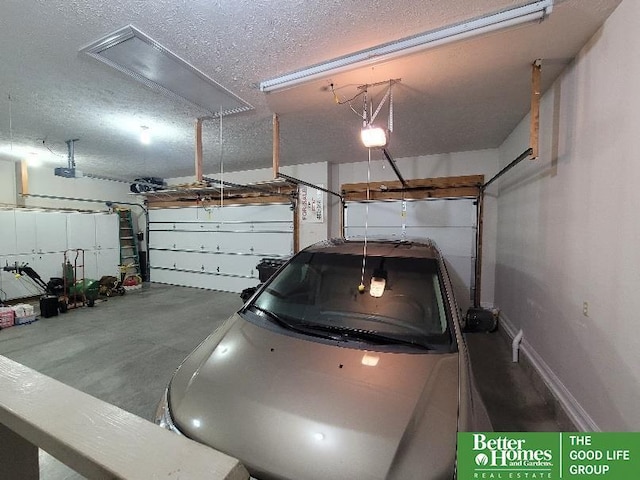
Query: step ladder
129, 254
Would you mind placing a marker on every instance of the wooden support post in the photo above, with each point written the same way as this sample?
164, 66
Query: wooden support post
199, 150
536, 69
24, 178
276, 145
478, 267
296, 225
343, 212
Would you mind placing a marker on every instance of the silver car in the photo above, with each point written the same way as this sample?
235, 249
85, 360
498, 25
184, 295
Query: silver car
349, 363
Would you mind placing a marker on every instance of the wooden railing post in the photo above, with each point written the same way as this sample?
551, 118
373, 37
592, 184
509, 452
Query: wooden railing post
18, 457
95, 438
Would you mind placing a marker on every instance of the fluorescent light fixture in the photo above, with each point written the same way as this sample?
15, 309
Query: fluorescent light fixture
145, 135
531, 12
374, 137
132, 52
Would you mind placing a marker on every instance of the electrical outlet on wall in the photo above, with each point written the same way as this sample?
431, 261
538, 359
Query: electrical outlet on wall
585, 309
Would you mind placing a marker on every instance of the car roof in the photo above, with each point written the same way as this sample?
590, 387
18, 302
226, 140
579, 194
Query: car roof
409, 248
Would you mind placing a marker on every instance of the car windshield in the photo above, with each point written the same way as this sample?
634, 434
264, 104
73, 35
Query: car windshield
402, 302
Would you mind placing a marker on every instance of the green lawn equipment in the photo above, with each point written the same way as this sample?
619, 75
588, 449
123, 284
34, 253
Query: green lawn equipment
77, 290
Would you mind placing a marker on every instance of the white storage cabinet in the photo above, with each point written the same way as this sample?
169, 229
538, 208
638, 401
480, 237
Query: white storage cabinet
39, 238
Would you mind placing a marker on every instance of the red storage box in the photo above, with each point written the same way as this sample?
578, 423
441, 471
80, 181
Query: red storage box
7, 317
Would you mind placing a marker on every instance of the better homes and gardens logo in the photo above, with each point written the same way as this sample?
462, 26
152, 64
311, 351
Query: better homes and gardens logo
554, 455
511, 456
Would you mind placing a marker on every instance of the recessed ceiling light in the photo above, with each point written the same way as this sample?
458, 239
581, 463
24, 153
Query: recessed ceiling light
32, 155
33, 159
132, 52
145, 135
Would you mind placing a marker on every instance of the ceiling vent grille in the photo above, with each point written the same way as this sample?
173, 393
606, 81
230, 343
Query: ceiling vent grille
132, 52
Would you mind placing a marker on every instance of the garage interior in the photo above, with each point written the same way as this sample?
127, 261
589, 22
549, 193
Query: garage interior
512, 146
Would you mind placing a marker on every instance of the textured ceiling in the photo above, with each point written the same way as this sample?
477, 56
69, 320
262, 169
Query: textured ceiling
464, 96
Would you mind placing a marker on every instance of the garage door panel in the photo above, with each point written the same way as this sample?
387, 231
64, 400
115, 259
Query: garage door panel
227, 283
217, 249
252, 243
248, 213
161, 239
190, 261
172, 277
194, 241
437, 213
173, 215
161, 258
244, 265
162, 226
453, 241
386, 232
227, 213
441, 213
231, 227
381, 214
203, 280
451, 223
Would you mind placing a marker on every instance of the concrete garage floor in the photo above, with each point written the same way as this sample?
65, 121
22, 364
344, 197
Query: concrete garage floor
125, 349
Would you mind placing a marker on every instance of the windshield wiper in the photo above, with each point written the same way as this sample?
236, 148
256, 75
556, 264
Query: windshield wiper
365, 335
300, 328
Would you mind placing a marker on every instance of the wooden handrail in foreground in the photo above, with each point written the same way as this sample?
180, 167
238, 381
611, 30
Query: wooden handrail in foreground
95, 438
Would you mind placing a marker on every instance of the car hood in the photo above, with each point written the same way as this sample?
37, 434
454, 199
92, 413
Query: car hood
289, 407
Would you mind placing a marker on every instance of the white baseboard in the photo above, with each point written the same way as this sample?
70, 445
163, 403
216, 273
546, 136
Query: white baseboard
568, 402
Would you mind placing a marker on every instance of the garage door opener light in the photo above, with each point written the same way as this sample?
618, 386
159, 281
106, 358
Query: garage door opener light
374, 137
532, 12
371, 135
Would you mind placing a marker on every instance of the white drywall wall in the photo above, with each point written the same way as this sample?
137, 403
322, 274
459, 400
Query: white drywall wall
569, 230
42, 181
481, 162
7, 182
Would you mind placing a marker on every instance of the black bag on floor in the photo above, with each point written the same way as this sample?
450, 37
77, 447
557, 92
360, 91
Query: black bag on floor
49, 306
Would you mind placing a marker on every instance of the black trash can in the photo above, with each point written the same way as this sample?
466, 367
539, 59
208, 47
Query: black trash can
268, 266
49, 306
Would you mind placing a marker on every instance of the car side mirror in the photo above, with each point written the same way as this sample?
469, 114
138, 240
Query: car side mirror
480, 320
247, 293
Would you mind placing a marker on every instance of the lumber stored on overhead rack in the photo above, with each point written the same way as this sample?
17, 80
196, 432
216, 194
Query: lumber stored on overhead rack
198, 194
442, 187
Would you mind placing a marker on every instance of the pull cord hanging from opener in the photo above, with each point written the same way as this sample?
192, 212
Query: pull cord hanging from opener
361, 287
368, 117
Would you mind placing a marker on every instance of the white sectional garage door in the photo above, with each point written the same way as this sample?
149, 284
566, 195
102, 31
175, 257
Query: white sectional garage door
451, 223
217, 248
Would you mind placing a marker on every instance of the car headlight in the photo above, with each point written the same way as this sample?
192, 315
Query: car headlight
163, 414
